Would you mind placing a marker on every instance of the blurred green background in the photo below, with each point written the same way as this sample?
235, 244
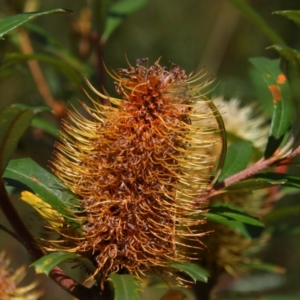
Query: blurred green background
193, 34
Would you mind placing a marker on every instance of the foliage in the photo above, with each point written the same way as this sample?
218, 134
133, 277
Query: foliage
237, 219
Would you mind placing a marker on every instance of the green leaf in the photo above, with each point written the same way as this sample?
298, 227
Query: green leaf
261, 91
44, 184
51, 45
11, 23
45, 126
196, 272
246, 230
45, 264
286, 179
126, 287
292, 61
117, 13
237, 158
282, 213
283, 108
293, 15
13, 58
223, 212
255, 18
254, 184
266, 267
266, 179
14, 120
292, 58
285, 227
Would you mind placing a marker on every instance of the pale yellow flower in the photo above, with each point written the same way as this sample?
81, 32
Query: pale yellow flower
246, 122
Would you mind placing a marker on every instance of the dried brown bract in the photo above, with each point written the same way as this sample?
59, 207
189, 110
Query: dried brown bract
137, 166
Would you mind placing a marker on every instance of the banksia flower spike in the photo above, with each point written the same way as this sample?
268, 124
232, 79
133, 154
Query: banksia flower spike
137, 166
10, 288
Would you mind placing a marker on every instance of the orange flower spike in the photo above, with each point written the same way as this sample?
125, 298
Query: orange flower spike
138, 166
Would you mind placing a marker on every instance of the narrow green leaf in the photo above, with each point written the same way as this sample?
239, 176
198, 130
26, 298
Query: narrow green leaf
254, 184
196, 272
35, 109
126, 287
230, 212
282, 118
290, 14
117, 13
236, 226
14, 120
11, 23
267, 179
237, 158
45, 264
292, 61
255, 18
13, 58
44, 184
282, 213
285, 227
266, 267
261, 91
292, 58
100, 9
51, 45
286, 179
45, 126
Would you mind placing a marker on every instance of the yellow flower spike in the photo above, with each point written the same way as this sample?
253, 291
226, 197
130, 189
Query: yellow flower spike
54, 218
137, 166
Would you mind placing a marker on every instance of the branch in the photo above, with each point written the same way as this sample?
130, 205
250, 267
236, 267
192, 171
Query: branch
259, 166
38, 76
11, 233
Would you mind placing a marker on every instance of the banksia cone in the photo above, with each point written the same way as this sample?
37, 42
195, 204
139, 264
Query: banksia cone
10, 288
137, 166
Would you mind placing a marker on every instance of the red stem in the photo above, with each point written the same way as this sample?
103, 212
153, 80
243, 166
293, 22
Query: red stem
242, 175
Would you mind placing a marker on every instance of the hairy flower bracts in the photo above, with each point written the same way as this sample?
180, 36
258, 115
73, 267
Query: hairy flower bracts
138, 166
10, 288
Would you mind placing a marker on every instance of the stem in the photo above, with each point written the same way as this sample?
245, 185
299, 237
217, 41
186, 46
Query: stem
259, 166
38, 76
202, 290
25, 237
242, 175
11, 233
